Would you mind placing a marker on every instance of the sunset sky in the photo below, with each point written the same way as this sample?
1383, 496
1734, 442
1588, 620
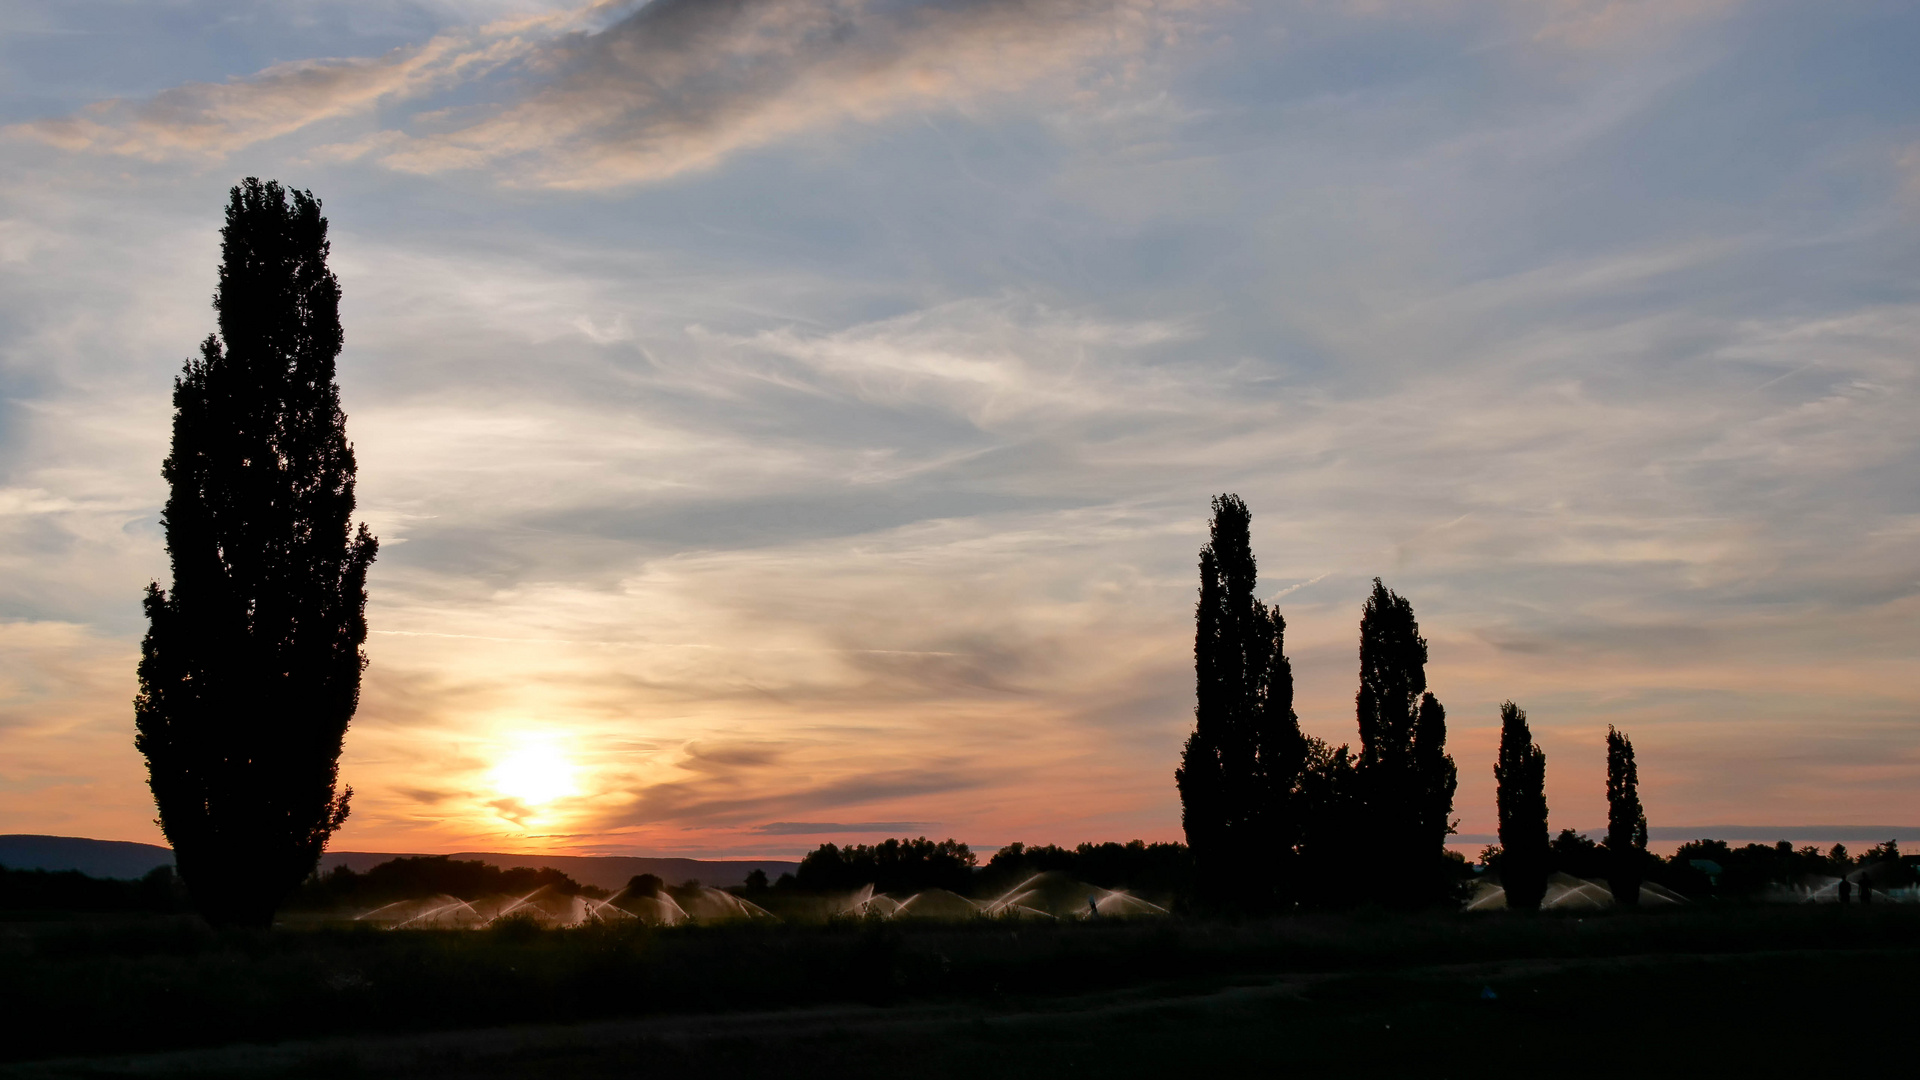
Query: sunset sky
794, 420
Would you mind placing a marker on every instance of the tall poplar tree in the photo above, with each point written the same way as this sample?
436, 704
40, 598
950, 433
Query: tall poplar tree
1405, 775
251, 666
1240, 771
1522, 799
1280, 757
1626, 821
1435, 773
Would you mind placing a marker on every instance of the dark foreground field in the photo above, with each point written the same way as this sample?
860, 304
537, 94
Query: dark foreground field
1693, 992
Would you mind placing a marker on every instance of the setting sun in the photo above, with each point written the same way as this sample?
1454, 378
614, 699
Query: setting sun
534, 772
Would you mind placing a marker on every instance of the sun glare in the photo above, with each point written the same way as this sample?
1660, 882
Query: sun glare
534, 772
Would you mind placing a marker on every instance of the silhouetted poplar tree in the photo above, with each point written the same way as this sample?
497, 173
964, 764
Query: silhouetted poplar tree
1240, 770
1522, 799
1405, 775
251, 666
1626, 821
1437, 777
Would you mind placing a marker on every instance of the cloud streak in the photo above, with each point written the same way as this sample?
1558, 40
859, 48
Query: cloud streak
819, 828
673, 87
681, 84
209, 121
677, 86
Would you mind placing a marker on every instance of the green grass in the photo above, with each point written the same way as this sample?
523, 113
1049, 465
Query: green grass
1370, 985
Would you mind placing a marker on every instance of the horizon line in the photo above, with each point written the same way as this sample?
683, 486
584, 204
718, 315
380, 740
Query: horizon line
1842, 833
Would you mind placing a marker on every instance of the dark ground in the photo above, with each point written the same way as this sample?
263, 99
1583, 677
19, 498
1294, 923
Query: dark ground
1697, 992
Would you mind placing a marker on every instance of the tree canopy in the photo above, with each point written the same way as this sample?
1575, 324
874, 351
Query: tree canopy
891, 866
1406, 778
250, 670
1626, 821
1238, 775
1521, 775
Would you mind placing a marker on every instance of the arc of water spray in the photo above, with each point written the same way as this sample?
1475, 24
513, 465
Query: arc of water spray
513, 907
378, 910
436, 913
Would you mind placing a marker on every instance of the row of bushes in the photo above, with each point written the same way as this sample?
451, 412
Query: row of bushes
1701, 868
428, 875
1714, 868
70, 890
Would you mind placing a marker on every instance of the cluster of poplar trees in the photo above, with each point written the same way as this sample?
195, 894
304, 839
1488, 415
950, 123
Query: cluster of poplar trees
1277, 818
1525, 851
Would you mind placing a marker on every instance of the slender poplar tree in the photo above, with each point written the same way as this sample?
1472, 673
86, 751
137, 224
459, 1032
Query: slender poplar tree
1406, 778
1240, 770
250, 671
1281, 754
1626, 821
1522, 799
1434, 769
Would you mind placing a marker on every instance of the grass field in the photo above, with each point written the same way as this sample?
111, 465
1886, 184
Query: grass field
1697, 991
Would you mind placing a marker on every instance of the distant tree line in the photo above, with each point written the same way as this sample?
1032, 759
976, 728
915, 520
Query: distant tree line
1151, 870
429, 875
891, 866
1160, 871
1705, 869
1752, 868
901, 867
159, 892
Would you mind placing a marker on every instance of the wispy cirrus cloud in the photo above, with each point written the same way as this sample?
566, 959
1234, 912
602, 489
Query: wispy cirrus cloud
213, 120
675, 86
819, 828
1588, 23
681, 84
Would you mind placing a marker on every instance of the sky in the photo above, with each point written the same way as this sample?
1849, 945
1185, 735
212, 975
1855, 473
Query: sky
790, 421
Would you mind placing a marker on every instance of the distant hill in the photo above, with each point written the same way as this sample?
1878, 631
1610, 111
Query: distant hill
94, 858
125, 859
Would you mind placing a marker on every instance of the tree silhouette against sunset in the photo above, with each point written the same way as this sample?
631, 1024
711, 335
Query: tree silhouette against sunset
250, 670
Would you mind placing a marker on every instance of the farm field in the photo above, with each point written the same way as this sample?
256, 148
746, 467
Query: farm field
1651, 993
